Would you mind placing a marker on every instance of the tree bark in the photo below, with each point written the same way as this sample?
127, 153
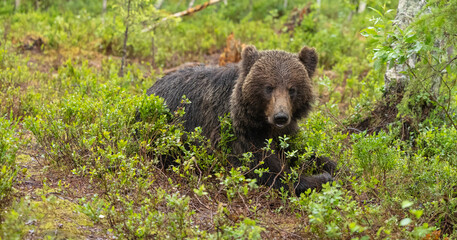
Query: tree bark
17, 4
394, 78
104, 11
126, 35
191, 4
153, 51
362, 6
158, 4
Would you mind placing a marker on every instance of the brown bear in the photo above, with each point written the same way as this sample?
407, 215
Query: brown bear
265, 94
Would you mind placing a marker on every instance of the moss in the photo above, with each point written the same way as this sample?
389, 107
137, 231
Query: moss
55, 218
24, 161
58, 219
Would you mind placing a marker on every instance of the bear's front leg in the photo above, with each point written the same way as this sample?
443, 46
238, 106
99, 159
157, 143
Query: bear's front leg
275, 174
324, 164
313, 182
277, 168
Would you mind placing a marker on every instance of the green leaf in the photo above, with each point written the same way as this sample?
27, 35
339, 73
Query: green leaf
376, 11
405, 222
417, 213
369, 31
406, 204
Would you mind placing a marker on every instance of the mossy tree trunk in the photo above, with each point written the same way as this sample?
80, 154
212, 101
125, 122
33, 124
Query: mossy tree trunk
395, 77
418, 53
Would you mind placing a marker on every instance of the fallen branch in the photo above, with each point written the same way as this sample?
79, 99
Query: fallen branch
185, 12
195, 9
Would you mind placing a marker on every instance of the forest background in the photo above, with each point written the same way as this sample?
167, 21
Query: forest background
76, 164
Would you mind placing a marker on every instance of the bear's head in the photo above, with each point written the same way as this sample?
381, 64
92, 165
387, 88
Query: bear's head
275, 86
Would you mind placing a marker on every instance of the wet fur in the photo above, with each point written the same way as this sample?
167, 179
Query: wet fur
241, 91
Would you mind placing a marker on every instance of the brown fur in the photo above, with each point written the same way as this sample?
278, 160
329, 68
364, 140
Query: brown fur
265, 94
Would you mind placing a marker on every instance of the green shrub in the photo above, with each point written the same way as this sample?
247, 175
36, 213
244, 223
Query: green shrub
333, 213
438, 142
374, 154
8, 147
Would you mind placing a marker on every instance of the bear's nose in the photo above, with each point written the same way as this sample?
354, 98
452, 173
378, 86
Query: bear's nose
281, 119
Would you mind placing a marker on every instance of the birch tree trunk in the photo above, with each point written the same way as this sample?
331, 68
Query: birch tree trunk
362, 6
158, 4
104, 11
126, 35
17, 4
419, 77
394, 78
191, 4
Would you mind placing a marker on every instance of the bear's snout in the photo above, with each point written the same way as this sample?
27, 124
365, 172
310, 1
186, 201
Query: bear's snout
278, 110
281, 119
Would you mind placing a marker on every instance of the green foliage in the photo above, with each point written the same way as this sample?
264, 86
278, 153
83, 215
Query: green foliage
86, 122
438, 143
93, 209
16, 95
247, 229
236, 183
98, 130
179, 220
227, 135
375, 153
12, 226
8, 149
322, 137
424, 48
333, 214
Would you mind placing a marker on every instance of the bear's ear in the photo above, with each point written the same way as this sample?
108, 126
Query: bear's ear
308, 57
248, 57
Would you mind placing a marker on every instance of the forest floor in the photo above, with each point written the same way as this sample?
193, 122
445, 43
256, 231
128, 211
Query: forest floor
54, 194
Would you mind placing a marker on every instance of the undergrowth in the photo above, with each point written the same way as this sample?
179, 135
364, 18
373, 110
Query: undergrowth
139, 175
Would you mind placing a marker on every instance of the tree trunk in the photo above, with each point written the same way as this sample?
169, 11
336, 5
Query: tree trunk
191, 4
362, 6
126, 35
104, 11
158, 4
394, 78
17, 4
386, 111
412, 89
153, 52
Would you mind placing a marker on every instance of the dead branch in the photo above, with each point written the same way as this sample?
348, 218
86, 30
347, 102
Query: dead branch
195, 9
185, 12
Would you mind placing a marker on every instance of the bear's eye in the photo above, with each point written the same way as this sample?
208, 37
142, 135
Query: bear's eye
269, 89
292, 92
